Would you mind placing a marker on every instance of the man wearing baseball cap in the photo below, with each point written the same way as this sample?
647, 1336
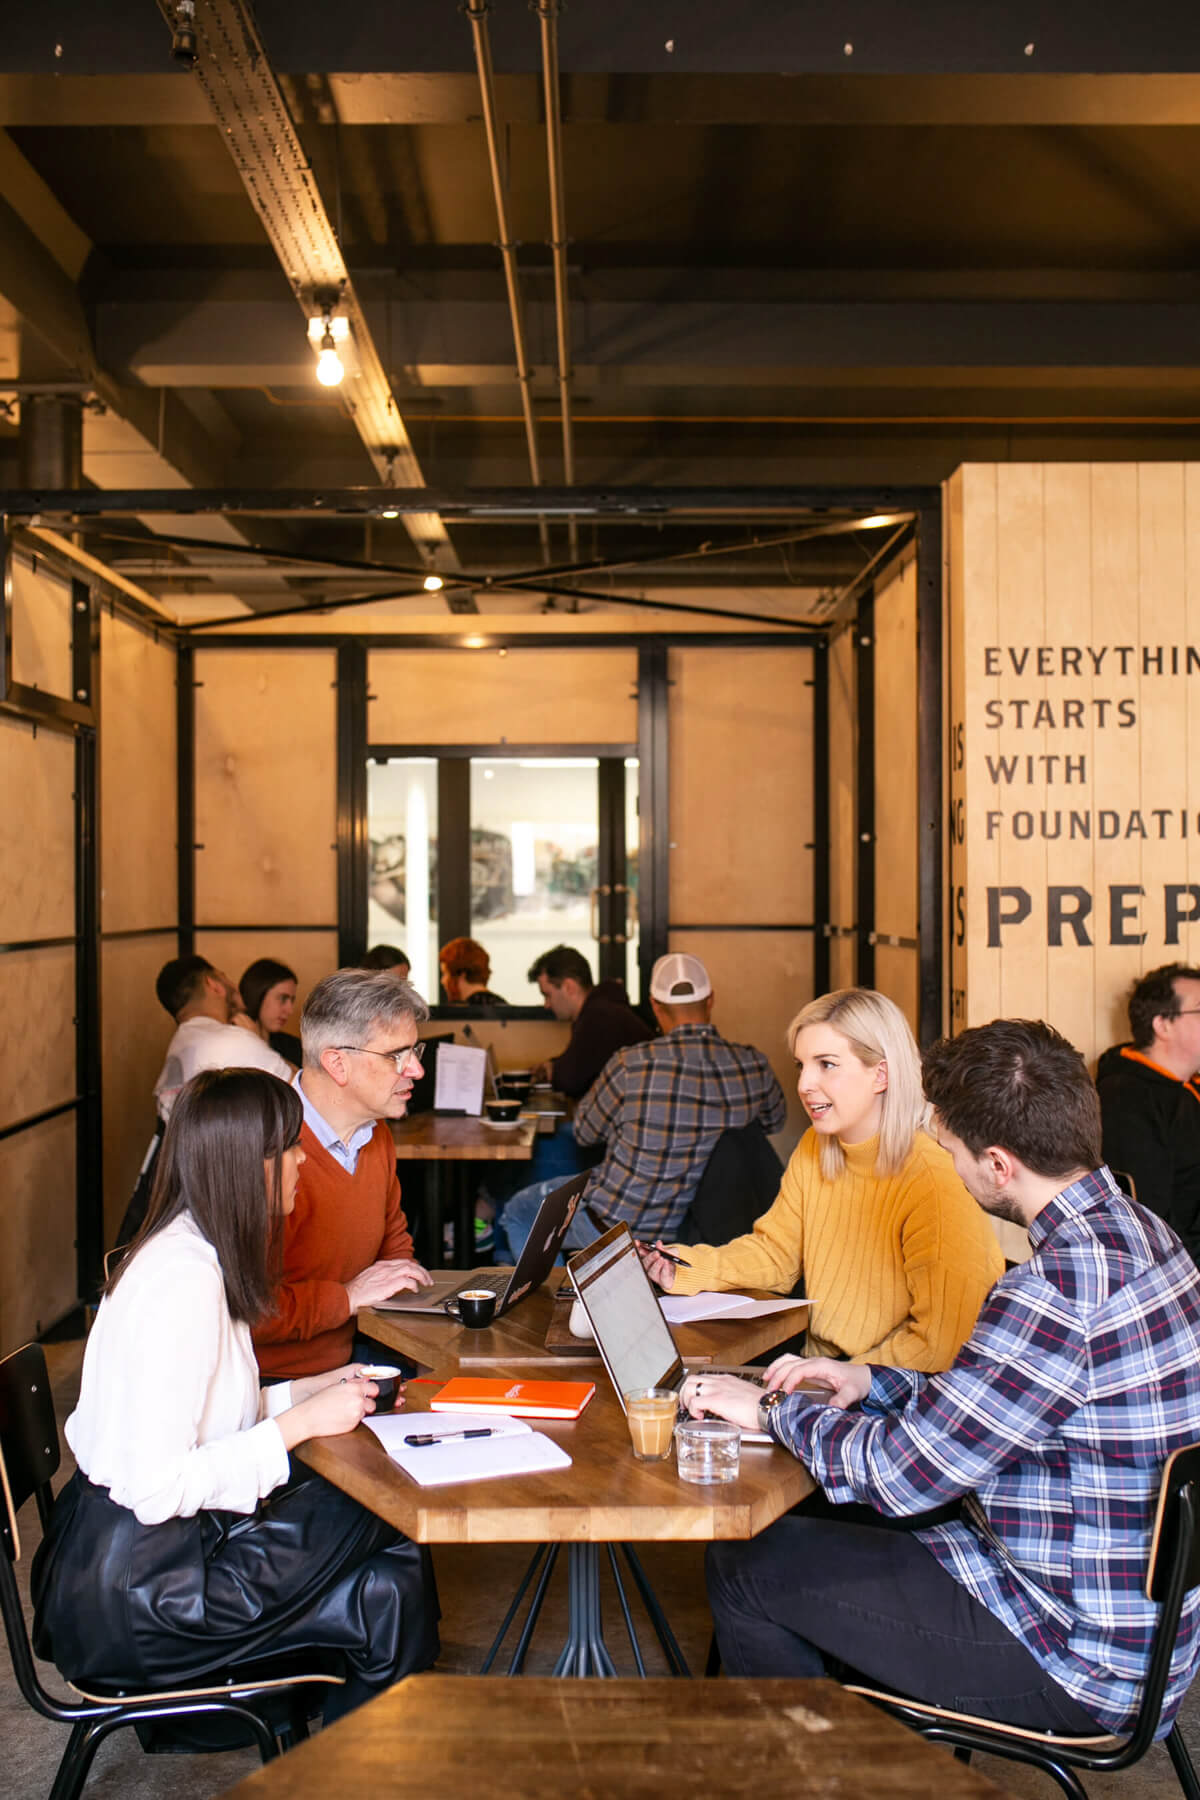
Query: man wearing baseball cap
658, 1109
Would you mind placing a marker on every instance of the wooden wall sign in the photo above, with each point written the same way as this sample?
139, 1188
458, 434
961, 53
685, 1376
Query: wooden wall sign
1073, 637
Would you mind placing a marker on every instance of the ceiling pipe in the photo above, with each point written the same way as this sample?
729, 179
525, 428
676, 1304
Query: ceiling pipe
477, 11
547, 12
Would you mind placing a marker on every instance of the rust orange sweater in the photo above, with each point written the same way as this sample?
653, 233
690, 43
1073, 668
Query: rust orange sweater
342, 1224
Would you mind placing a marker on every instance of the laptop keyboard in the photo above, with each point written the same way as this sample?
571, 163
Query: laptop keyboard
489, 1283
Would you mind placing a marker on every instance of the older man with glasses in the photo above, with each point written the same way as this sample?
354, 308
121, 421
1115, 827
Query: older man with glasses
347, 1243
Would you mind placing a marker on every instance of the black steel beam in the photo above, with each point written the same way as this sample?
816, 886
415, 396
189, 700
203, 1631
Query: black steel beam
454, 849
490, 503
654, 807
930, 767
865, 868
822, 848
185, 795
352, 846
612, 957
89, 1140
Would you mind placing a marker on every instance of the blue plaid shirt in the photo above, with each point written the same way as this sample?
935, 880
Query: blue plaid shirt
658, 1109
1081, 1377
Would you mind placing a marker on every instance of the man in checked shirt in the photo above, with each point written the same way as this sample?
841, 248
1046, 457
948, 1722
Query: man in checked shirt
658, 1109
1052, 1426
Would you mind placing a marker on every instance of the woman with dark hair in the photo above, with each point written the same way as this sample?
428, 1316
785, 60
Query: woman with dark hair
182, 1543
268, 990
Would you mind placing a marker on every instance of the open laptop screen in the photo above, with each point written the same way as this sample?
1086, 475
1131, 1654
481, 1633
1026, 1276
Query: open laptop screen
633, 1337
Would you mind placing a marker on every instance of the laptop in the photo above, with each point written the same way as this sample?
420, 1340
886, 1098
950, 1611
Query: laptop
509, 1285
632, 1336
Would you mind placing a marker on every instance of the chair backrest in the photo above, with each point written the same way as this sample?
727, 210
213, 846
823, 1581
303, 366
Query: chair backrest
1173, 1519
29, 1452
738, 1184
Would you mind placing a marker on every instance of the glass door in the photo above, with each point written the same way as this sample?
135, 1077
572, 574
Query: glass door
534, 851
402, 833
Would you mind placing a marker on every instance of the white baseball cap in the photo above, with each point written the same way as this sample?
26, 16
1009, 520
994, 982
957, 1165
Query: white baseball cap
677, 980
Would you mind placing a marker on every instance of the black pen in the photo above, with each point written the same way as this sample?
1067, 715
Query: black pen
441, 1436
667, 1256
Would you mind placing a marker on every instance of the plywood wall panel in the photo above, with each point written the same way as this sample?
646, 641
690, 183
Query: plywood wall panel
37, 1229
41, 629
740, 724
266, 787
523, 697
896, 828
897, 974
313, 954
135, 1032
138, 874
37, 1031
760, 980
515, 1043
37, 833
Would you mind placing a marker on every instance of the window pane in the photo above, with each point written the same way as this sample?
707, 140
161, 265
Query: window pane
402, 827
534, 834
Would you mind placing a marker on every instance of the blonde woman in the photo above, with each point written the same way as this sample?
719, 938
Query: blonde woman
894, 1251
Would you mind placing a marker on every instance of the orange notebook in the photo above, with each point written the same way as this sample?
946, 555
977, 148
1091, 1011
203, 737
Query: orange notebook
535, 1399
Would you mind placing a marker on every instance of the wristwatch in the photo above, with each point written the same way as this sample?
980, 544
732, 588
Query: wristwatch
766, 1406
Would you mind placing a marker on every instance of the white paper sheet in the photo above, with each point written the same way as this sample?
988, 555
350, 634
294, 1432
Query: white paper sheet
460, 1074
512, 1449
687, 1309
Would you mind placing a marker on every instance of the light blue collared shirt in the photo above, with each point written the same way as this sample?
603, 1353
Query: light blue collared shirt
344, 1153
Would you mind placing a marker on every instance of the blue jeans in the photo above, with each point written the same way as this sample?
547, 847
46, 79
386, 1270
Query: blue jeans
516, 1222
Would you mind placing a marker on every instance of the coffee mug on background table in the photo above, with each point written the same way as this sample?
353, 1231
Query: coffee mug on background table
707, 1450
388, 1379
505, 1111
651, 1414
477, 1308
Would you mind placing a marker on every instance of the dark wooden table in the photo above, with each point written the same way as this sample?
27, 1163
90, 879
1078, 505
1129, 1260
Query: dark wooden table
467, 1736
450, 1147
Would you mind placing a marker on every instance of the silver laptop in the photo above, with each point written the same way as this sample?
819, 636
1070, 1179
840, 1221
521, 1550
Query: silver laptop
632, 1336
509, 1285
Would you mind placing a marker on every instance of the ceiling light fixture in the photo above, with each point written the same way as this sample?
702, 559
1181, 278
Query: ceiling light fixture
434, 584
325, 332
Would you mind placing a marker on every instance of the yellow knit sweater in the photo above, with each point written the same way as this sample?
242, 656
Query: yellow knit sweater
898, 1266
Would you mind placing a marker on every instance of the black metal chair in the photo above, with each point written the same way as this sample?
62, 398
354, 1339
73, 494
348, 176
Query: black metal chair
740, 1180
1173, 1570
29, 1459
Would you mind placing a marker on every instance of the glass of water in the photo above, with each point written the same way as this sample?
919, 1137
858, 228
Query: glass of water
707, 1450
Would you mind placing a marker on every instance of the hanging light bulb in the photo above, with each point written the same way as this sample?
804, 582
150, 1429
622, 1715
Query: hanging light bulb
330, 367
326, 331
433, 584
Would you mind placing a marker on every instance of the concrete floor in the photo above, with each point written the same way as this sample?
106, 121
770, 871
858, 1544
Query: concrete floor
475, 1585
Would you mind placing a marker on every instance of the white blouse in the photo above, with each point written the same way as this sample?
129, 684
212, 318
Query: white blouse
171, 1418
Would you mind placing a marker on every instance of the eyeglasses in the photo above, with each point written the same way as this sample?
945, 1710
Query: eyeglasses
399, 1057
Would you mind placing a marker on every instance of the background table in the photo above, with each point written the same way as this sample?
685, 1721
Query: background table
463, 1735
441, 1343
449, 1146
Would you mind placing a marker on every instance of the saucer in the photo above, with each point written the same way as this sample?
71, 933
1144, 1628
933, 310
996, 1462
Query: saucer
503, 1124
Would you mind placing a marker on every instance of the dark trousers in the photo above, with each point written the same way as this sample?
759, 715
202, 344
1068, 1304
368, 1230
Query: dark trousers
811, 1591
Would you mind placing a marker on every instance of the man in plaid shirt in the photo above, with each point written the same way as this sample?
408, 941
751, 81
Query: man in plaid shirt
1080, 1379
658, 1109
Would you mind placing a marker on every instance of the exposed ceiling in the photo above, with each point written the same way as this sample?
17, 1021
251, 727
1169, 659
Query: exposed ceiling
848, 250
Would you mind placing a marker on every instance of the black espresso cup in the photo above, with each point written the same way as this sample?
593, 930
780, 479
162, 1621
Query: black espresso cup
388, 1380
477, 1308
